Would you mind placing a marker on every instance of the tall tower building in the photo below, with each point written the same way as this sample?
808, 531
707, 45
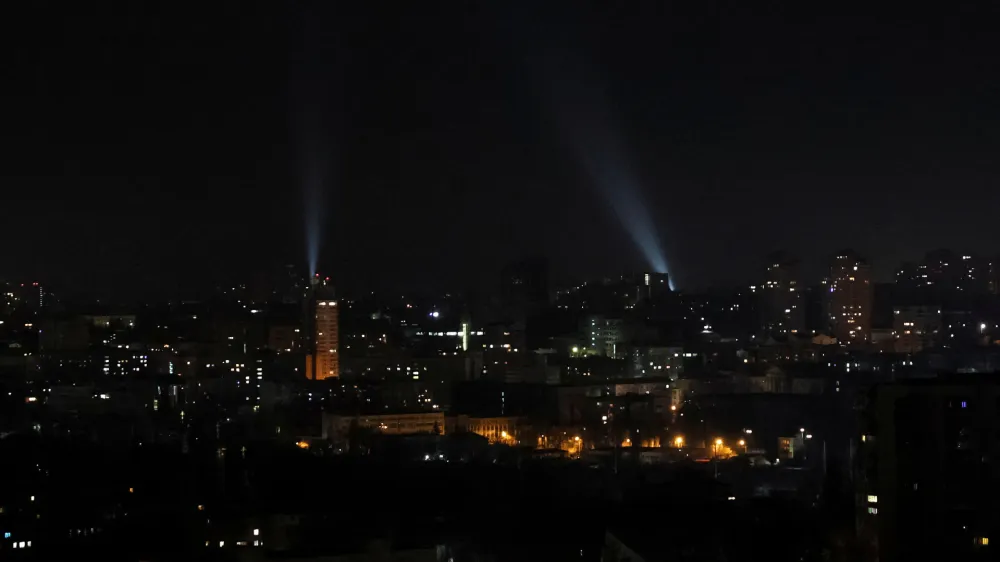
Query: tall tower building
849, 298
525, 284
327, 360
652, 287
782, 310
324, 363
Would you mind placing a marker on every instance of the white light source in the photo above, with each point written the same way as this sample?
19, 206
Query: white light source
256, 532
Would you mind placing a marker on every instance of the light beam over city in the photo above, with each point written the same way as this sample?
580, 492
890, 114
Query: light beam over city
585, 120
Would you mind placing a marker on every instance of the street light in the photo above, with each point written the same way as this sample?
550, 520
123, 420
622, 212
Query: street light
743, 443
678, 441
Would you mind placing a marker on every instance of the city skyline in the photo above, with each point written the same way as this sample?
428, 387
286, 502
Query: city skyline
506, 281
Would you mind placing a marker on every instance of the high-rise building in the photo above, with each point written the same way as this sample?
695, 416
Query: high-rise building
30, 295
849, 298
324, 362
326, 359
943, 272
781, 300
915, 328
604, 335
652, 287
525, 284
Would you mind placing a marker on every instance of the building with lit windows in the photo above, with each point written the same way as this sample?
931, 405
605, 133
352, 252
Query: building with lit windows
324, 361
849, 298
652, 287
943, 272
915, 328
781, 296
505, 429
337, 427
927, 465
604, 335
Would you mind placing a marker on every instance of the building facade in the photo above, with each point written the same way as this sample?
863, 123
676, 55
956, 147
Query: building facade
927, 468
782, 310
915, 328
326, 360
849, 299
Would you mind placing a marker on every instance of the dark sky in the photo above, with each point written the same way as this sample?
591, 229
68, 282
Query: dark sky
147, 148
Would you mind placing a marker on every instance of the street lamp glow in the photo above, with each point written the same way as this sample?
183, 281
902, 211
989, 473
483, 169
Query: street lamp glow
503, 434
678, 441
743, 443
718, 442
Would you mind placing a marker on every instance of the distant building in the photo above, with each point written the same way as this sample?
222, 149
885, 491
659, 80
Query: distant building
30, 295
283, 338
324, 362
525, 284
655, 361
337, 427
782, 310
849, 298
651, 287
944, 272
505, 429
915, 328
604, 335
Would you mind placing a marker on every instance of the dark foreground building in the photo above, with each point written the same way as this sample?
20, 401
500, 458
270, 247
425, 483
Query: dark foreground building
929, 468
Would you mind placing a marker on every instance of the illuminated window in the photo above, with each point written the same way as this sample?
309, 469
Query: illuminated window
872, 499
982, 541
873, 511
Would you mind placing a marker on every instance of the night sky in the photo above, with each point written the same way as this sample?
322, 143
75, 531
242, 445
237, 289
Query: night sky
152, 148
